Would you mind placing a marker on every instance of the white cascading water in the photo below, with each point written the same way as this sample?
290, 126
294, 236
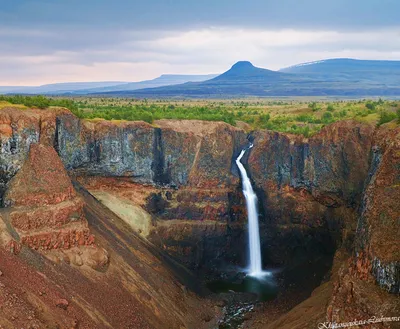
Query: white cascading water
255, 268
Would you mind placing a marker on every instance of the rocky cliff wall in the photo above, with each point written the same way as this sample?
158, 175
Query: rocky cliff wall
18, 130
339, 187
378, 244
171, 153
331, 166
309, 189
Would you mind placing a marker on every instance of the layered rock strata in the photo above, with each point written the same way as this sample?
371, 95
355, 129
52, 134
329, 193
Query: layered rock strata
46, 212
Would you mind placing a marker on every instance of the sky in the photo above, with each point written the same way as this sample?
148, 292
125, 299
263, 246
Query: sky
49, 41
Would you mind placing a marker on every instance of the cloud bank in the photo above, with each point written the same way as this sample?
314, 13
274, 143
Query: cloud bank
48, 41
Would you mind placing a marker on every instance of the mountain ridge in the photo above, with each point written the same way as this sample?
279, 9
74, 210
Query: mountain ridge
331, 77
88, 87
327, 77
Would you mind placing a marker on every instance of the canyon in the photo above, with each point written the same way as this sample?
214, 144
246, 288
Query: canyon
117, 224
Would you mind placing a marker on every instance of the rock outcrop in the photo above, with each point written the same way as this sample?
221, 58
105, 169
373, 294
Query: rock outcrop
365, 276
378, 231
310, 188
18, 130
171, 153
367, 284
339, 188
46, 212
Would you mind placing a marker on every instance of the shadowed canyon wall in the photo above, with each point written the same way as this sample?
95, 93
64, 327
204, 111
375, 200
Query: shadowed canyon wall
310, 189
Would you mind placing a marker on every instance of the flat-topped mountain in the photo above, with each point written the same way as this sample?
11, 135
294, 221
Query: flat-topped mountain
332, 77
242, 79
335, 77
245, 70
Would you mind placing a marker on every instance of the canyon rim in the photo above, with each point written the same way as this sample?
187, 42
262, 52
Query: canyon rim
122, 224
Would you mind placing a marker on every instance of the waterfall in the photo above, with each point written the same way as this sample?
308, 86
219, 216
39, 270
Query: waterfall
255, 268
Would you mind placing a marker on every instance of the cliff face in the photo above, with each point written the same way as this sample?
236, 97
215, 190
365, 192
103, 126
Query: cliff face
46, 212
365, 276
308, 188
311, 191
331, 166
190, 153
71, 282
18, 130
378, 243
367, 284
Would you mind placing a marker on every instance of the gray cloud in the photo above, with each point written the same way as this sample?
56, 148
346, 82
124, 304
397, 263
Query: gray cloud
154, 14
52, 40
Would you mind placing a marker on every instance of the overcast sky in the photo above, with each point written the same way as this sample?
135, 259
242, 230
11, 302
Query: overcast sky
47, 41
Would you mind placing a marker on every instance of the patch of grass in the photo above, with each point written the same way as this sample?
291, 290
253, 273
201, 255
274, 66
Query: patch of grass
39, 101
291, 116
386, 116
4, 104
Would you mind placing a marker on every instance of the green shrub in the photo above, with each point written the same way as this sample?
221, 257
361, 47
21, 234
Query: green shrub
304, 118
330, 108
264, 118
327, 117
314, 106
385, 117
370, 106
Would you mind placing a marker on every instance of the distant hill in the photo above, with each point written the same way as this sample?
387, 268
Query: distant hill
83, 88
335, 77
57, 87
243, 78
346, 69
246, 72
331, 77
163, 80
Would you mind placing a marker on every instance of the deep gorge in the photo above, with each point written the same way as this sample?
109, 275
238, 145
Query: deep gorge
328, 204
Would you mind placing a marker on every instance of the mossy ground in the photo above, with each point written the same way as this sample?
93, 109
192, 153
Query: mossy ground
297, 116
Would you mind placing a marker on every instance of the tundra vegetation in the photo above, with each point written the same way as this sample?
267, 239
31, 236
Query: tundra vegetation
300, 116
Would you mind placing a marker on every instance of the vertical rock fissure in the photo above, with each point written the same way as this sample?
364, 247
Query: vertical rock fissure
161, 175
56, 137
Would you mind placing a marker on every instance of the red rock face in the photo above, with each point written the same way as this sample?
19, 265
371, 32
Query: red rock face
330, 166
378, 231
56, 215
65, 238
367, 285
46, 212
41, 181
355, 296
18, 130
305, 186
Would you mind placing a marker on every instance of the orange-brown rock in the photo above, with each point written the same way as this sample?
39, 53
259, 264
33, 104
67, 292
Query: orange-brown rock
378, 243
45, 210
356, 297
70, 236
19, 128
51, 216
41, 181
331, 166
